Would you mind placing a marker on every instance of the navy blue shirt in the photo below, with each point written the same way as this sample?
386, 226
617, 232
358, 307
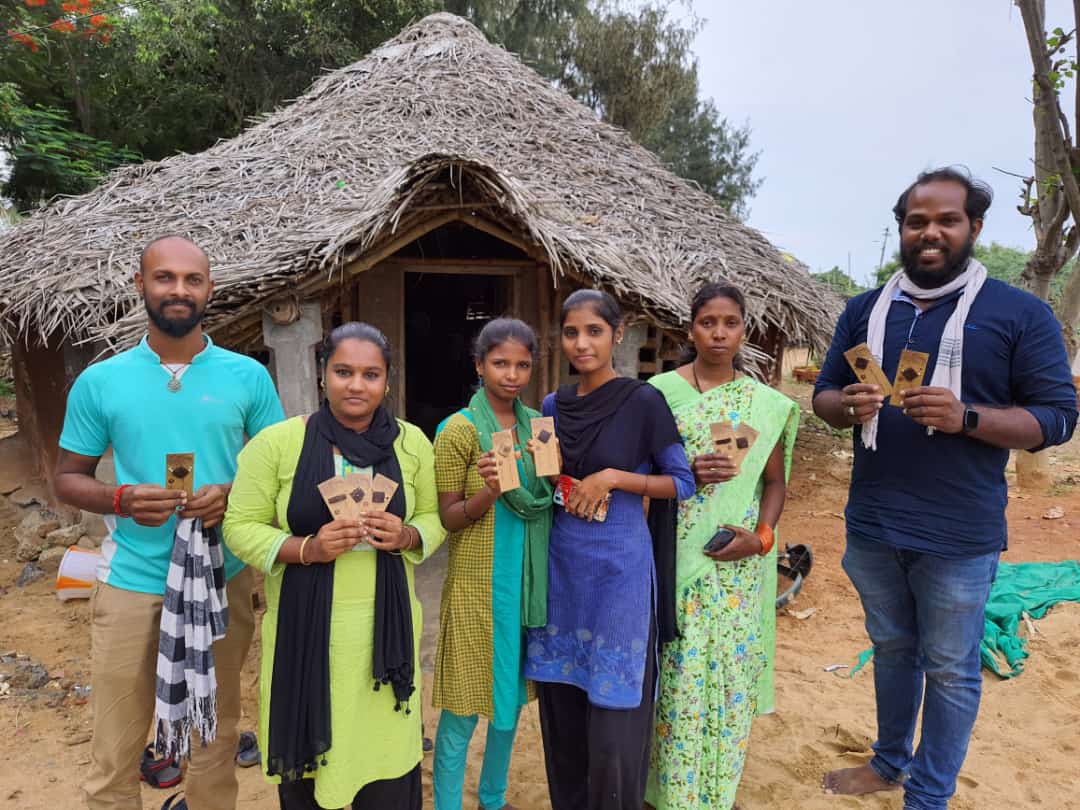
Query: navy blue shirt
946, 494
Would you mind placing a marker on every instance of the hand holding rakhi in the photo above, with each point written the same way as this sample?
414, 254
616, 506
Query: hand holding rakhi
932, 407
387, 532
589, 494
489, 471
208, 503
150, 504
334, 539
713, 468
861, 402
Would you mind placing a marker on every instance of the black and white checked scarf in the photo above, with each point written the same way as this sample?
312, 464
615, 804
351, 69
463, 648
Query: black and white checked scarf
194, 615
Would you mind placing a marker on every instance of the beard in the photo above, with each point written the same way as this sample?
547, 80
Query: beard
174, 327
931, 279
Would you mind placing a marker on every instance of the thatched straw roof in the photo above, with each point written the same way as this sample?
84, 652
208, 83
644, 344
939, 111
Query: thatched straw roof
437, 118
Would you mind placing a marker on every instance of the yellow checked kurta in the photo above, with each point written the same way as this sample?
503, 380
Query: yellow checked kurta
370, 741
465, 667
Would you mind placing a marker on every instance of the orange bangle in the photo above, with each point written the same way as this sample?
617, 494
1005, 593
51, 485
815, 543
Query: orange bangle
766, 536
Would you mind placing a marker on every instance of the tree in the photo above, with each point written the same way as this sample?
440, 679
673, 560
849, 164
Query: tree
840, 282
48, 155
637, 70
178, 75
1052, 194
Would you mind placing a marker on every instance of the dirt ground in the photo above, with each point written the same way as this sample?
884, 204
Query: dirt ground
1023, 754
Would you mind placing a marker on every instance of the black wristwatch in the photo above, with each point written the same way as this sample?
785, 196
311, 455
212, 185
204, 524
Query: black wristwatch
971, 418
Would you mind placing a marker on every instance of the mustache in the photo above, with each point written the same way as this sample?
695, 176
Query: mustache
176, 302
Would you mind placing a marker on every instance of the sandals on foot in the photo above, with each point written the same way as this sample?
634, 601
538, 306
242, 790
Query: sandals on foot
159, 773
174, 802
247, 750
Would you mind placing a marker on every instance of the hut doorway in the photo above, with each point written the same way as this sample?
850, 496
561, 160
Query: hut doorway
443, 314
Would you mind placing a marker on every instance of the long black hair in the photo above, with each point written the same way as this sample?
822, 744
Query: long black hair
599, 301
711, 290
500, 330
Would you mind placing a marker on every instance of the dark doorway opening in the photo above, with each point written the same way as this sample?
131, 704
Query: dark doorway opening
444, 313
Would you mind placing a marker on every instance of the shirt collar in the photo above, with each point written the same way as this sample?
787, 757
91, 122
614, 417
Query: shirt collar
144, 348
900, 295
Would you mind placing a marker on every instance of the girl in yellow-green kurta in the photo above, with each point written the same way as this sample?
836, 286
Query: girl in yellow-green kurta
339, 719
496, 583
718, 673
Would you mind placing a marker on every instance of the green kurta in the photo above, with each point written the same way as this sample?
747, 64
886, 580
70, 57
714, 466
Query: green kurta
479, 663
720, 671
370, 741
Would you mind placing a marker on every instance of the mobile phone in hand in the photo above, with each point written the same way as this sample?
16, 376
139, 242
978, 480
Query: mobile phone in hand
720, 540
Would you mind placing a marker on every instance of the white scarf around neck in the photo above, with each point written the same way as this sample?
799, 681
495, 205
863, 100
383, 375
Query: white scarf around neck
949, 366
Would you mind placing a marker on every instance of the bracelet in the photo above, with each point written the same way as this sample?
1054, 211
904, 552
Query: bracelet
465, 510
410, 547
766, 536
303, 543
645, 489
116, 500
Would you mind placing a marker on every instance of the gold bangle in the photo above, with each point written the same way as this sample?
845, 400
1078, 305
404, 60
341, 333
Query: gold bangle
645, 489
303, 543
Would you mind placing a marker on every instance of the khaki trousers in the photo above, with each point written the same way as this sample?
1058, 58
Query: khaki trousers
124, 647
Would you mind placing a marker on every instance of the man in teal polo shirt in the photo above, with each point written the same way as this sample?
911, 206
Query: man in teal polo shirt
175, 392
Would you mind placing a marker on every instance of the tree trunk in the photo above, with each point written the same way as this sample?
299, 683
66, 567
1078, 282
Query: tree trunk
1033, 471
1069, 311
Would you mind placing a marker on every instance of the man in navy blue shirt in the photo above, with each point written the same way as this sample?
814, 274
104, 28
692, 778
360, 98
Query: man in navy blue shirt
926, 511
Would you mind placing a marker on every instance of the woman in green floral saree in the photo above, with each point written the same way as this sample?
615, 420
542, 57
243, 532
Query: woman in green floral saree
719, 673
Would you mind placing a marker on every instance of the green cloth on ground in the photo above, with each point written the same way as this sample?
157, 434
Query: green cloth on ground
1031, 588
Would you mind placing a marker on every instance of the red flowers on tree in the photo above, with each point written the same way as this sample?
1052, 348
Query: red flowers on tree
79, 17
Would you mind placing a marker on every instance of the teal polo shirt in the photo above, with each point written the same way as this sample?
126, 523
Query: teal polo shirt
124, 402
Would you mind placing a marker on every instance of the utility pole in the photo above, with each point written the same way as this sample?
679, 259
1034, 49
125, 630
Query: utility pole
884, 242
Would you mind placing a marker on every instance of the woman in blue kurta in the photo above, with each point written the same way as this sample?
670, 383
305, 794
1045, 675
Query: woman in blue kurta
595, 660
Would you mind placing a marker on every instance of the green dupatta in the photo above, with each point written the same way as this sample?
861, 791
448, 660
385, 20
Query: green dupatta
531, 502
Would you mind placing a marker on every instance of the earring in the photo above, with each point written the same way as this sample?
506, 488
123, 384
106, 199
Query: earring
387, 392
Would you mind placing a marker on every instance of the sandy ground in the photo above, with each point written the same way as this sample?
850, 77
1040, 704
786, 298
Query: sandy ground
1023, 755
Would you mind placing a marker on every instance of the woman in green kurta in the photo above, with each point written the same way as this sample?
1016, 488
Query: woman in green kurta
496, 582
719, 673
342, 616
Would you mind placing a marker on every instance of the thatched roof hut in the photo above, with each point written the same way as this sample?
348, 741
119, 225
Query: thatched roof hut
438, 146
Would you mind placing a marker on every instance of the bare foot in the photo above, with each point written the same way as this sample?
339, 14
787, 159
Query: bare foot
855, 782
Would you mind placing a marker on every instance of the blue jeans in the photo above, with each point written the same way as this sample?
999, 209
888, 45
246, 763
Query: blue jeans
925, 616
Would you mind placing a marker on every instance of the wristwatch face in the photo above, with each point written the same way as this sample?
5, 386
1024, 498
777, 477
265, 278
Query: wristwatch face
971, 420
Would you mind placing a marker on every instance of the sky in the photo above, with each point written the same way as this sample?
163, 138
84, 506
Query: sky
848, 100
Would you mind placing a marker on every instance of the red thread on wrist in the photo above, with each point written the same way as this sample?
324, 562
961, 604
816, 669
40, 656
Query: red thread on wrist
116, 501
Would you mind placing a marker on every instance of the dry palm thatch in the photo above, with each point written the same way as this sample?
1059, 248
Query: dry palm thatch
436, 119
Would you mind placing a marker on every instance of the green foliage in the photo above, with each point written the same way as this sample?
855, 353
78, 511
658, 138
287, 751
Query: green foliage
7, 388
840, 282
178, 75
48, 155
633, 65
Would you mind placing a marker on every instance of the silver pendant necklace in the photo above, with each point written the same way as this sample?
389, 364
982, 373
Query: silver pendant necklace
174, 381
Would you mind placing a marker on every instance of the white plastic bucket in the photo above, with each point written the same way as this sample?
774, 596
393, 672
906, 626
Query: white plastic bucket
77, 574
